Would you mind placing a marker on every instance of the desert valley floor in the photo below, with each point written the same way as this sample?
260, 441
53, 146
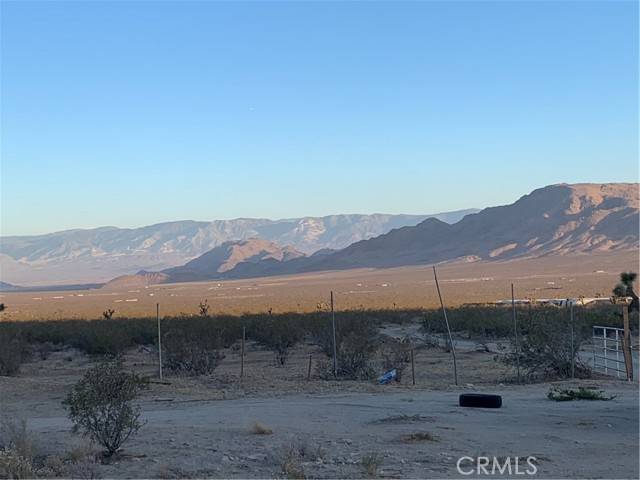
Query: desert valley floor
405, 287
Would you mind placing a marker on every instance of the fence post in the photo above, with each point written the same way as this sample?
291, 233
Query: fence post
446, 321
413, 370
159, 341
242, 353
626, 344
309, 368
515, 331
573, 353
335, 349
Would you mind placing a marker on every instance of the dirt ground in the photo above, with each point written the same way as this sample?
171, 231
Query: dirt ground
407, 287
202, 426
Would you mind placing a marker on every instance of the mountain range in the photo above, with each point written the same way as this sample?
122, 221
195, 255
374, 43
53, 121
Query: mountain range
555, 220
560, 219
97, 255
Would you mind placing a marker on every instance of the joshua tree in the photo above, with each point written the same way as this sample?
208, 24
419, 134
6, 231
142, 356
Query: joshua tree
2, 307
108, 314
625, 289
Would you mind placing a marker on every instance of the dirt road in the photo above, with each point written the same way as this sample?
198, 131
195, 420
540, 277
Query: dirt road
213, 438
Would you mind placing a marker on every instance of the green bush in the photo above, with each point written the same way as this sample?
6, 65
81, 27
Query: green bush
101, 404
581, 393
193, 346
546, 351
278, 334
356, 347
13, 352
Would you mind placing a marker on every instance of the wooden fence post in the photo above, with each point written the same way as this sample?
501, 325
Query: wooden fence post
159, 342
626, 343
242, 353
335, 351
413, 370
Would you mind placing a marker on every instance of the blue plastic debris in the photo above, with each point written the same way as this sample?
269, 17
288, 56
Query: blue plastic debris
387, 377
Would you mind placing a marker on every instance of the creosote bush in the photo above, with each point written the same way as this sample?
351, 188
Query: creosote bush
17, 450
13, 352
356, 348
395, 353
546, 352
279, 335
194, 351
101, 404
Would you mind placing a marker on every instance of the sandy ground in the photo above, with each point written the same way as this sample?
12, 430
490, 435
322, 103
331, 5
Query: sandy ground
407, 287
213, 438
201, 427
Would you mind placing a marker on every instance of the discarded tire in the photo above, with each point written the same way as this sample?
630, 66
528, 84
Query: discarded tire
480, 400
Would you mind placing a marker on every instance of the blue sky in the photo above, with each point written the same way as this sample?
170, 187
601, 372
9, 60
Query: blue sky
131, 113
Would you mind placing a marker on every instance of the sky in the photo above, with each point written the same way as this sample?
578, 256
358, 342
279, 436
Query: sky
133, 113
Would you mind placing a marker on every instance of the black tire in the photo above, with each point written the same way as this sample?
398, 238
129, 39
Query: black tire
480, 400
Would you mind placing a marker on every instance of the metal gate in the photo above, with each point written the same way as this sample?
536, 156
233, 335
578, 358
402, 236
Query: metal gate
608, 357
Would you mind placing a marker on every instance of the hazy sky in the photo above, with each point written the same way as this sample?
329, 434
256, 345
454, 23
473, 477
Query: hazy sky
126, 114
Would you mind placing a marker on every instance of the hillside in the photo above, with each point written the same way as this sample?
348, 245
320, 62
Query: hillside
251, 254
554, 220
103, 253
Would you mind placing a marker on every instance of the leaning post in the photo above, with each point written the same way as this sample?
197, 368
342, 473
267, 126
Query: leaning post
446, 321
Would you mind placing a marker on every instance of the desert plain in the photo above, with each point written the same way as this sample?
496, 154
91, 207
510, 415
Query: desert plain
571, 276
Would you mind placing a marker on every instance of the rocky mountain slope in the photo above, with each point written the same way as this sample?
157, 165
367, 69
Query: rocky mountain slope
250, 255
555, 220
102, 253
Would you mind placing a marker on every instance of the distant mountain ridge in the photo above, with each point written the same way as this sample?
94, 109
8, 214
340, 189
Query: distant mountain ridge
555, 220
100, 254
230, 258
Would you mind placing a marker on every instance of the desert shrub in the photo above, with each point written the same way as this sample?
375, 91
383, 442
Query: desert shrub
193, 351
546, 351
101, 405
290, 463
260, 429
43, 350
371, 463
356, 352
13, 352
416, 437
581, 393
119, 334
83, 462
191, 355
356, 347
305, 450
17, 450
15, 436
12, 465
395, 353
278, 334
